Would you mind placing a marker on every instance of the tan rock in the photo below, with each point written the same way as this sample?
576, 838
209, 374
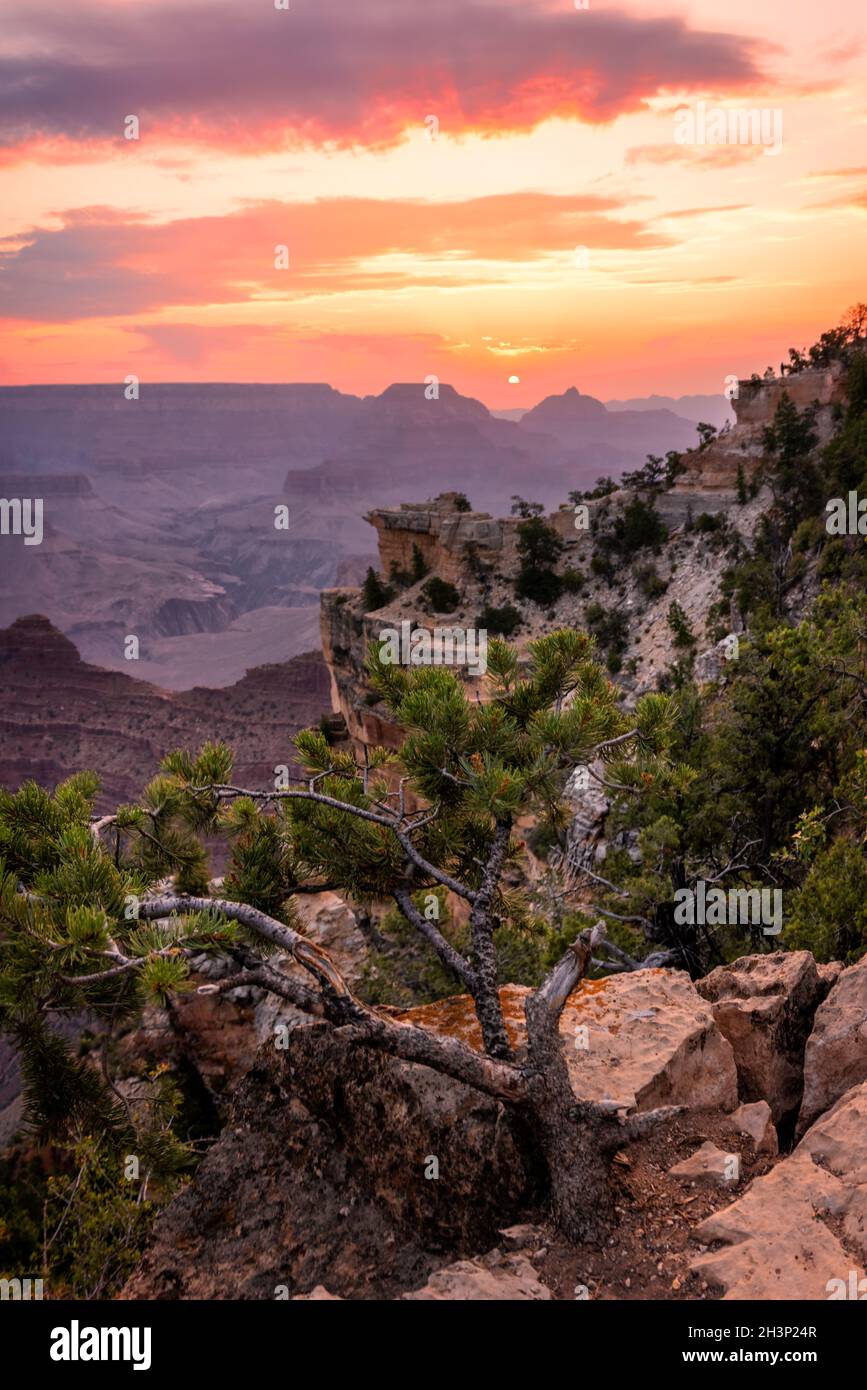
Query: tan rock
491, 1278
796, 1264
709, 1166
522, 1237
779, 1241
755, 1120
764, 1006
318, 1295
830, 972
638, 1040
836, 1053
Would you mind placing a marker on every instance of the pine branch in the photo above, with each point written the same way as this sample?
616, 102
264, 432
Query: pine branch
449, 957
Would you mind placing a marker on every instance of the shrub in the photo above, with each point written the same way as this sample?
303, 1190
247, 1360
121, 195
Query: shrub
651, 584
573, 581
611, 629
742, 485
539, 547
442, 596
638, 527
829, 915
642, 527
542, 586
501, 622
525, 509
679, 624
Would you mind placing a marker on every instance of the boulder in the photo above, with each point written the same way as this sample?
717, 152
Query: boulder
836, 1053
324, 1173
492, 1278
755, 1120
764, 1006
804, 1224
209, 1036
708, 1166
637, 1040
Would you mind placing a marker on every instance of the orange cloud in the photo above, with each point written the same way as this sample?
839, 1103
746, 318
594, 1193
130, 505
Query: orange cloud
104, 263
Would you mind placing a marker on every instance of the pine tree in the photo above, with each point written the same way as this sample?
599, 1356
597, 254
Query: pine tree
375, 594
87, 922
742, 485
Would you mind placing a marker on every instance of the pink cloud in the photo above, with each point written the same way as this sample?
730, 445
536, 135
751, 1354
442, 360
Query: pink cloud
243, 76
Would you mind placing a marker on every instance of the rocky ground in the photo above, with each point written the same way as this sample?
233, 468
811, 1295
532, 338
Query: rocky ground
321, 1184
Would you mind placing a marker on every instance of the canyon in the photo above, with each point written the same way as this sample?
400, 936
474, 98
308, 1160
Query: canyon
754, 1188
159, 513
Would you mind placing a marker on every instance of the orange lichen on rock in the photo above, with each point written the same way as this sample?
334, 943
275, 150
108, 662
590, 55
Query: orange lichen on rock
639, 1039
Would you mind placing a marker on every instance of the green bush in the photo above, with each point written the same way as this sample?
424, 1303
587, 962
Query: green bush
610, 627
651, 584
501, 622
542, 586
539, 548
573, 581
442, 596
829, 913
679, 624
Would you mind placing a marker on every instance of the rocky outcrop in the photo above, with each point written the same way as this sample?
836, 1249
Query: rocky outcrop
714, 469
449, 540
764, 1006
803, 1226
324, 1175
208, 1040
364, 1174
836, 1053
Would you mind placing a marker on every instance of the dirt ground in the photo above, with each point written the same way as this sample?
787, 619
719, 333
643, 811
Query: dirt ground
651, 1247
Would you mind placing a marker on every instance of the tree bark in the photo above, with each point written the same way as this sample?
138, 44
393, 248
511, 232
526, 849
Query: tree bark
485, 992
570, 1132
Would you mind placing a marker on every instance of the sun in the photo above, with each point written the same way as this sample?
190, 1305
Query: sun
514, 381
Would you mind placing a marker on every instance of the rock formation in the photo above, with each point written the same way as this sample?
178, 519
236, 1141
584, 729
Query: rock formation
346, 1174
764, 1006
59, 715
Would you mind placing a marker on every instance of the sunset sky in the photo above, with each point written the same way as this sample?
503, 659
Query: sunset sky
553, 229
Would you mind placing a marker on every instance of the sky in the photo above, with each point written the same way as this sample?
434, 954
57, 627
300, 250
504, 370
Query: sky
369, 191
